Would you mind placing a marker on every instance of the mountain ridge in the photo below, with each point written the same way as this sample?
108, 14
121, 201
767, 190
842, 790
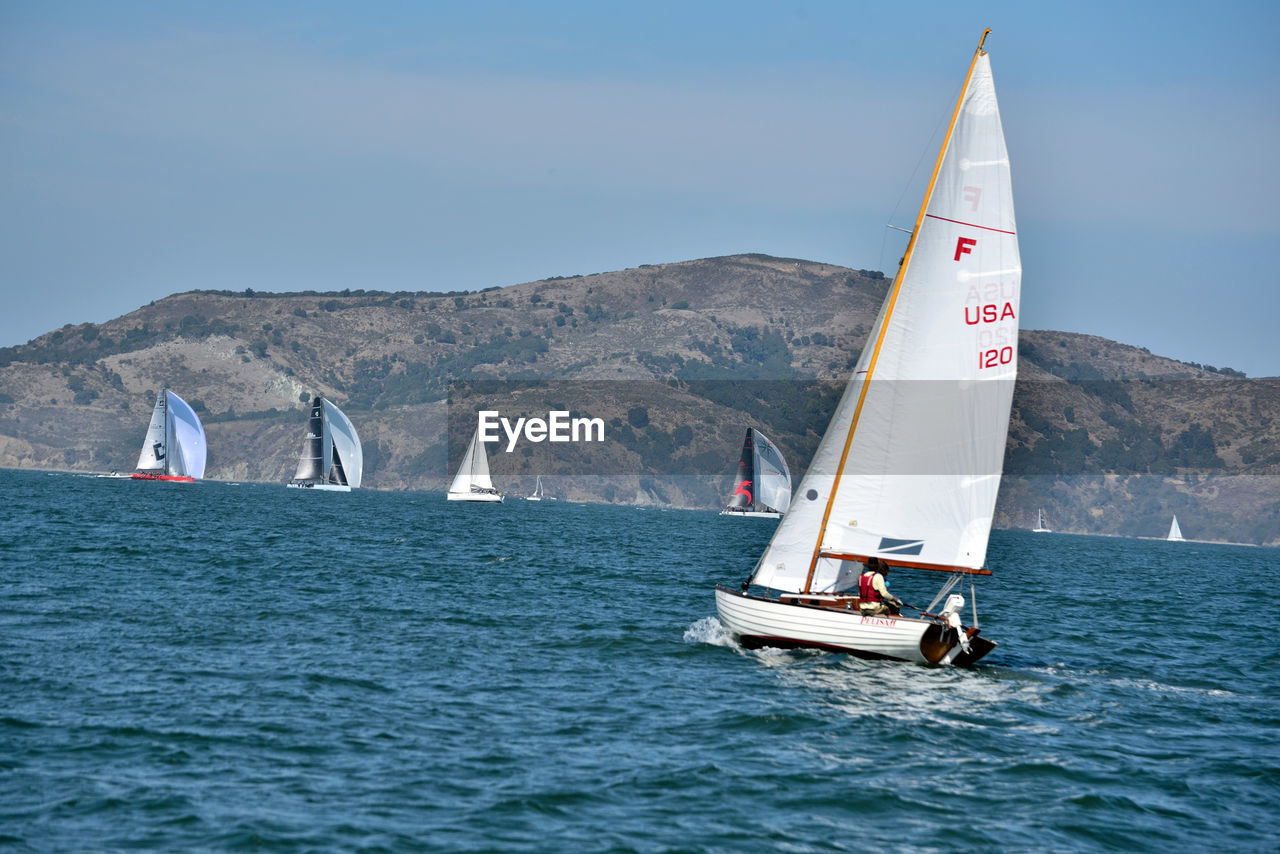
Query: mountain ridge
704, 348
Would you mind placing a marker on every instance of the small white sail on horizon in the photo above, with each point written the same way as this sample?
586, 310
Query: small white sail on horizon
472, 482
1040, 527
174, 447
537, 491
908, 470
1175, 533
763, 488
332, 457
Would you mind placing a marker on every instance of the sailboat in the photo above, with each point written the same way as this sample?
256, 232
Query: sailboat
537, 491
1040, 526
332, 458
472, 482
764, 481
1175, 533
908, 470
174, 447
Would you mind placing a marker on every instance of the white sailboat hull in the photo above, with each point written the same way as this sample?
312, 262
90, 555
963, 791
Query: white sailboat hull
752, 514
323, 487
488, 497
758, 621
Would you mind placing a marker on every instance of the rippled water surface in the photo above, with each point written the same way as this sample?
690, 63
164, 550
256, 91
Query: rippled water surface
224, 667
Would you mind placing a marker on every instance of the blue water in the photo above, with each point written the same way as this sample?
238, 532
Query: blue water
218, 667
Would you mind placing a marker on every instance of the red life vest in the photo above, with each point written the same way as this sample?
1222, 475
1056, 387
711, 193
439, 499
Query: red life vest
866, 587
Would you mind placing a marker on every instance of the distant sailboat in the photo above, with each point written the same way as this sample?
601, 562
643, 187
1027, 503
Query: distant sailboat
472, 482
764, 481
1040, 527
537, 491
1175, 533
174, 448
332, 457
908, 470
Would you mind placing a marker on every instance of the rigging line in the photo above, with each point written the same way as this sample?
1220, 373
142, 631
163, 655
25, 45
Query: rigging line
928, 148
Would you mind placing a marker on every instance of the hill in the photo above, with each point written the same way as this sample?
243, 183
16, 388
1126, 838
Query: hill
677, 359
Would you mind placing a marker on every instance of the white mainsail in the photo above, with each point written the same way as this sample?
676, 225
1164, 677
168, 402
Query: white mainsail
474, 471
332, 457
1175, 533
151, 458
175, 442
773, 478
910, 465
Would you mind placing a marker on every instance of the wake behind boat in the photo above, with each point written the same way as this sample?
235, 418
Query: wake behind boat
764, 481
908, 470
472, 482
174, 448
332, 457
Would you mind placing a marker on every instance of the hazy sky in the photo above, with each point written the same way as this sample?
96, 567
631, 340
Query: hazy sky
150, 148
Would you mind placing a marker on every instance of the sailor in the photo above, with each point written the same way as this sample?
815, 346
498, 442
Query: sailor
873, 590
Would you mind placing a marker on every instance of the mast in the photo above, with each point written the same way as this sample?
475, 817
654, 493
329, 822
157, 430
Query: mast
888, 314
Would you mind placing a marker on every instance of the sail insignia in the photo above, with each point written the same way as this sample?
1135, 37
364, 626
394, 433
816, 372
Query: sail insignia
901, 547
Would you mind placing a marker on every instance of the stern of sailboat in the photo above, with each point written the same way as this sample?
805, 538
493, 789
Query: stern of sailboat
978, 648
940, 639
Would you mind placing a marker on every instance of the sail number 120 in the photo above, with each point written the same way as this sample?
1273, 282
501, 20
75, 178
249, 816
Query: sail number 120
995, 357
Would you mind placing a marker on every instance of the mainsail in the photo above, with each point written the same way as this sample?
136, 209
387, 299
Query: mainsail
1175, 533
474, 471
764, 480
175, 443
331, 450
910, 465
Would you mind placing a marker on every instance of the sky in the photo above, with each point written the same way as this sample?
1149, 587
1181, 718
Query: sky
150, 148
